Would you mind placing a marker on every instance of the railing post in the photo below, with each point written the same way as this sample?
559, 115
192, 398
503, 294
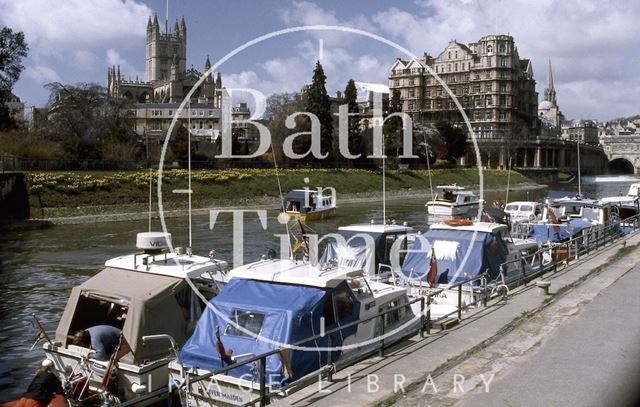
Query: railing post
422, 305
263, 381
381, 351
329, 359
484, 291
429, 314
460, 302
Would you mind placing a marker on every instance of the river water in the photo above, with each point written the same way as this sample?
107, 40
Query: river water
38, 268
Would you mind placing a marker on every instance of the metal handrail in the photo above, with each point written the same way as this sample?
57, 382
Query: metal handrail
601, 239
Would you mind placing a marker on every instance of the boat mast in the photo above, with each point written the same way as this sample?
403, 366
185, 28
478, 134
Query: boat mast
189, 168
384, 186
506, 198
579, 186
150, 188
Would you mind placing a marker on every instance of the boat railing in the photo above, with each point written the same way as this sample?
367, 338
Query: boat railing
588, 241
591, 240
423, 326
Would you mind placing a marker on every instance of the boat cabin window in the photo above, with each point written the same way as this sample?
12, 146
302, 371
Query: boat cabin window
97, 311
526, 208
248, 321
591, 213
293, 206
394, 316
389, 242
340, 304
344, 303
511, 207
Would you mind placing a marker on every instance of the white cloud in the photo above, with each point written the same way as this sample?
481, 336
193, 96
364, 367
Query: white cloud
84, 60
307, 13
590, 42
113, 58
41, 74
71, 24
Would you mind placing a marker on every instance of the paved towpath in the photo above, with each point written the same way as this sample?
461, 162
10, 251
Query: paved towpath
422, 371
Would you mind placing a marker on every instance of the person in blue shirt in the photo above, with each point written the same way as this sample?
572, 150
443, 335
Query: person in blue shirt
103, 339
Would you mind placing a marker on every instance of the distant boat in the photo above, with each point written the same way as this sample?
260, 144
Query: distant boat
308, 205
628, 205
527, 211
452, 200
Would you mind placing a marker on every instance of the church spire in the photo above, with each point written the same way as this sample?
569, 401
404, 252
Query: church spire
550, 92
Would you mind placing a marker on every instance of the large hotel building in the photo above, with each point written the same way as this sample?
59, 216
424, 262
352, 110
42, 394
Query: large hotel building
493, 85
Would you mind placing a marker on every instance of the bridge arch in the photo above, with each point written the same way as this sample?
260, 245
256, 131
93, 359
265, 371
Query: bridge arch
622, 165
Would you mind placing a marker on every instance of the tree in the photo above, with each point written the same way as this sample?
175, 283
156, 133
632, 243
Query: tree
279, 106
427, 142
393, 129
455, 140
355, 133
12, 49
180, 144
318, 103
83, 112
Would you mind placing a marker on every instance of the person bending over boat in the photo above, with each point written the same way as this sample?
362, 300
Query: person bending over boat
103, 339
44, 390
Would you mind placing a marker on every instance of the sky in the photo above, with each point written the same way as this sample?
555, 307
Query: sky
594, 45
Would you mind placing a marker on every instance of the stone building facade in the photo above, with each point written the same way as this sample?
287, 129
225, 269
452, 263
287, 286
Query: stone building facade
157, 99
548, 110
582, 131
16, 109
492, 84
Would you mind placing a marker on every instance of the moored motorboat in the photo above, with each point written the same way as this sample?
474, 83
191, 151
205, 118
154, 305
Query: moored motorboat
275, 306
152, 298
628, 206
523, 211
570, 225
308, 205
452, 200
475, 255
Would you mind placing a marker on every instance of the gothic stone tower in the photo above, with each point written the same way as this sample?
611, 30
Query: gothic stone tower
165, 48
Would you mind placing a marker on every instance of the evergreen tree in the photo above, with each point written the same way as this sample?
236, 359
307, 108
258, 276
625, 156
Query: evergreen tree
393, 127
455, 140
355, 134
318, 103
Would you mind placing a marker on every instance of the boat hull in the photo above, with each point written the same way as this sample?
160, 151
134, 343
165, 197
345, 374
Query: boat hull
153, 375
311, 216
450, 209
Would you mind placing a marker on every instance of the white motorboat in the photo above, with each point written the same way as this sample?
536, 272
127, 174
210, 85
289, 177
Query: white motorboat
275, 306
523, 211
628, 205
464, 251
152, 297
453, 200
308, 205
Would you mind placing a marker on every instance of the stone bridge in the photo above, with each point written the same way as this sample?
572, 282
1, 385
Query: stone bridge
541, 158
623, 152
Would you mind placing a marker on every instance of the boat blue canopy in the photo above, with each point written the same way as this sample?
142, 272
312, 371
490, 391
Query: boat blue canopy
543, 232
271, 315
460, 255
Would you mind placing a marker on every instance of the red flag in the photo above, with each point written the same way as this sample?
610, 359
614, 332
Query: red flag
552, 216
433, 269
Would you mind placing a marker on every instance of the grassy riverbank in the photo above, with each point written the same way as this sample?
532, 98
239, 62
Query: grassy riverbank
54, 194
